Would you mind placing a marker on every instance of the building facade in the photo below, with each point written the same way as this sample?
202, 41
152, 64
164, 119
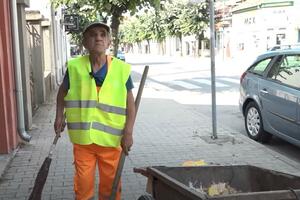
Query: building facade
32, 62
258, 26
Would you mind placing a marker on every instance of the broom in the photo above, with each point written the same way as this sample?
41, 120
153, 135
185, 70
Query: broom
122, 157
42, 175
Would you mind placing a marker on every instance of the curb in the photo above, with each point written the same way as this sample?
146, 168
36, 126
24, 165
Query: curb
275, 154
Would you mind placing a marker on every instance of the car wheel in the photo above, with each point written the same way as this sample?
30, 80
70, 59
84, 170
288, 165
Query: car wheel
254, 124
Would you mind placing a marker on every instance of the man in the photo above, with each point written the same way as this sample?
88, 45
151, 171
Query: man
99, 106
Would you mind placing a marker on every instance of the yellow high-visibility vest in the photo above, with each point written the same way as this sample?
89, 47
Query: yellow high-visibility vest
96, 117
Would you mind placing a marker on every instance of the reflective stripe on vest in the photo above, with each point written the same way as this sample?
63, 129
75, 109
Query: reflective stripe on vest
80, 104
79, 126
92, 104
96, 125
96, 117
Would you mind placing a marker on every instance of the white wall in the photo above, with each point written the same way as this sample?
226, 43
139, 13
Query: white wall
258, 30
44, 6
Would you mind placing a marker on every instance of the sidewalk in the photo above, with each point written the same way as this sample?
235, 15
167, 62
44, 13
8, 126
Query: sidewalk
166, 133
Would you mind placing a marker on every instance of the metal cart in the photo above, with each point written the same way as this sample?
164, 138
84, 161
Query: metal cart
252, 183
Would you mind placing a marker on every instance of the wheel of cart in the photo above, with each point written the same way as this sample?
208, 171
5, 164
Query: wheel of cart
146, 197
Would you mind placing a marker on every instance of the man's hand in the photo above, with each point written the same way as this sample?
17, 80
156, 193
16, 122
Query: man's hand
126, 141
59, 124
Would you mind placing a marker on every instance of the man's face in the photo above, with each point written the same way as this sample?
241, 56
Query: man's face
96, 40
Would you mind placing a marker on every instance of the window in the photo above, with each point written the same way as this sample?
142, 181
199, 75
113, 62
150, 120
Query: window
260, 67
287, 70
280, 38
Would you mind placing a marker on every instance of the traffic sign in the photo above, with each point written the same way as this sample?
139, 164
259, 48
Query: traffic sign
71, 22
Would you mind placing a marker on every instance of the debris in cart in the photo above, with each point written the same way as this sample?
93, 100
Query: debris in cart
215, 189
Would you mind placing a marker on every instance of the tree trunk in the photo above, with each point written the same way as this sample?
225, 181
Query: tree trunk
148, 48
180, 39
139, 47
115, 23
163, 42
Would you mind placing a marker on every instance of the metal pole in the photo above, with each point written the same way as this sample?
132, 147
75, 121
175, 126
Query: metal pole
212, 61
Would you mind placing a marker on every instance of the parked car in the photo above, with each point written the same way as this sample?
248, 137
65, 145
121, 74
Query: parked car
121, 55
285, 46
270, 96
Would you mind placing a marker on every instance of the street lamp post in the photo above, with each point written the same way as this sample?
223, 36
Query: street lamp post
212, 62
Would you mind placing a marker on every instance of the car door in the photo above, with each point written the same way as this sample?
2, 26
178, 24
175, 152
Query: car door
298, 113
279, 95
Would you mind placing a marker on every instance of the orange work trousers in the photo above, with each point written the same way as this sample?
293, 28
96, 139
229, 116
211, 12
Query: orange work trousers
85, 159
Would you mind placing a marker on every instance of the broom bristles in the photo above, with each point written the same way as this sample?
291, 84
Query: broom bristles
40, 180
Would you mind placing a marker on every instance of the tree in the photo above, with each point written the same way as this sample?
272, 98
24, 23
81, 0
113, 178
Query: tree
194, 19
115, 9
176, 18
86, 14
130, 32
145, 26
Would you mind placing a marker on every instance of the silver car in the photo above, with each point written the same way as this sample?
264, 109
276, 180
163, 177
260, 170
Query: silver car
270, 96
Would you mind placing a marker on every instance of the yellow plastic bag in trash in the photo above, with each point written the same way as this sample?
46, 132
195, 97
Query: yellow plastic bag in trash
221, 189
193, 163
216, 189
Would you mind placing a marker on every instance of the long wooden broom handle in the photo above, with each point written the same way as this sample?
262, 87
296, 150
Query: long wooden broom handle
122, 157
141, 87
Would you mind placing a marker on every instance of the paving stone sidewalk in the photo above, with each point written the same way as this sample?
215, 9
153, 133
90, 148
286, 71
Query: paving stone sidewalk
166, 133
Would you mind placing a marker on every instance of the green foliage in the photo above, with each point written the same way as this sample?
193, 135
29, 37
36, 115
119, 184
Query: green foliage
113, 9
158, 28
185, 18
143, 27
173, 19
169, 18
129, 31
194, 19
86, 14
